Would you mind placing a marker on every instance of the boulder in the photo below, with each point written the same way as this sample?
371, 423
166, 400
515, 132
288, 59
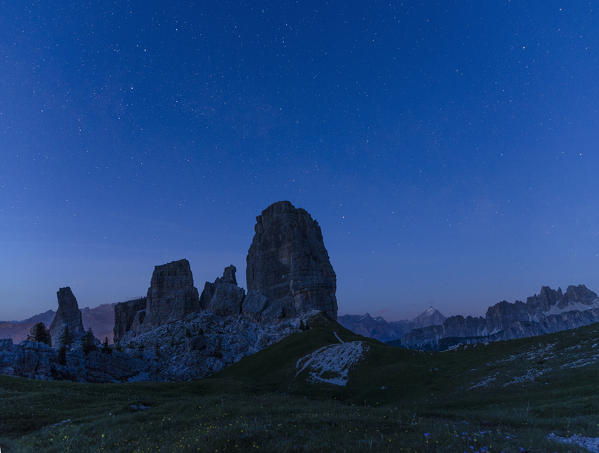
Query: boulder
171, 295
288, 263
67, 315
254, 305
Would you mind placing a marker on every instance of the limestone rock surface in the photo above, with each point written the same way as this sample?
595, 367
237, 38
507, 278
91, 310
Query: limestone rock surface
171, 295
68, 316
128, 316
223, 297
288, 263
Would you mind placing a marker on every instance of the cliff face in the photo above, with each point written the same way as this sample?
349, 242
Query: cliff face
68, 316
288, 263
128, 316
223, 297
171, 295
547, 312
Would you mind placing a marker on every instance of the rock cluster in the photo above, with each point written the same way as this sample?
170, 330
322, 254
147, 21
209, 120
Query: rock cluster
40, 361
174, 334
171, 296
68, 316
288, 263
205, 343
289, 274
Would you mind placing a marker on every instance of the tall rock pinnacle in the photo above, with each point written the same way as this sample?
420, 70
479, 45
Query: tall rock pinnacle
171, 295
67, 315
288, 263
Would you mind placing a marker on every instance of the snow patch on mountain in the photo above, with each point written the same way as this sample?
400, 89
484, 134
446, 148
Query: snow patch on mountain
576, 306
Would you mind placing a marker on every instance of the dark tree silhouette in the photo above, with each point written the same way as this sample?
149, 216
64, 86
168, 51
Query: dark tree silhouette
88, 342
40, 334
106, 347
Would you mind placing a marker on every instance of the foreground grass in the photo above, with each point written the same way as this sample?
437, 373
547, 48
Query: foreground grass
396, 400
186, 420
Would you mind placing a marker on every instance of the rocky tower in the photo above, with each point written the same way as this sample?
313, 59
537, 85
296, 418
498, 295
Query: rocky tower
128, 316
67, 315
288, 263
171, 295
223, 297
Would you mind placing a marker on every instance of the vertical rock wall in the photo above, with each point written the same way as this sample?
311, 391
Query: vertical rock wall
288, 263
67, 315
171, 295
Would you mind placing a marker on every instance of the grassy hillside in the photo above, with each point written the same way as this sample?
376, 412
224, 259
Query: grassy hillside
505, 396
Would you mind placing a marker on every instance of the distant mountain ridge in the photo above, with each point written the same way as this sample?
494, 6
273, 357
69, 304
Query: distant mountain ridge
547, 312
100, 319
383, 330
18, 330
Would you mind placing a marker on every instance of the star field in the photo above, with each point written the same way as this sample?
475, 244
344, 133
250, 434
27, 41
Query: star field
448, 149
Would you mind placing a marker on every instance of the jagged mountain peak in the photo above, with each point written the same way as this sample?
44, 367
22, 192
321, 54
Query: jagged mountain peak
429, 317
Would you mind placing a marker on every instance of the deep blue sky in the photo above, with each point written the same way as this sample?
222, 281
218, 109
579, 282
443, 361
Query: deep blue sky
448, 149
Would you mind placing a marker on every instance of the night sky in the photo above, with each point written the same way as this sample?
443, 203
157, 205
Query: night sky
447, 149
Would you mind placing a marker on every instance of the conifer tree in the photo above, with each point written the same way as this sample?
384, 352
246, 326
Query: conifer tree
88, 342
106, 347
66, 338
40, 334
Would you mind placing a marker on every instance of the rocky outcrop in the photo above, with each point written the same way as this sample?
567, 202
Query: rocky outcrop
39, 361
174, 334
254, 308
223, 297
288, 264
205, 343
193, 348
171, 295
68, 316
128, 316
547, 312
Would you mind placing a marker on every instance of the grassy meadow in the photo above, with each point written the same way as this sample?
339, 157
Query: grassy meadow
506, 396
